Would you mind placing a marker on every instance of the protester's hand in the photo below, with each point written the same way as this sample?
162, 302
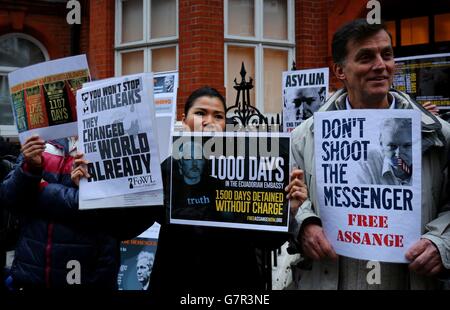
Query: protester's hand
425, 258
431, 107
315, 244
79, 169
297, 190
32, 151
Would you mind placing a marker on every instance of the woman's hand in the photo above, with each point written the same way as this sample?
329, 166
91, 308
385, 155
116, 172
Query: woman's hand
32, 151
79, 169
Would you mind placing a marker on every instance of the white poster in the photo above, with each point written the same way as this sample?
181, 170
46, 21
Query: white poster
368, 169
43, 97
165, 97
117, 134
304, 92
165, 86
165, 92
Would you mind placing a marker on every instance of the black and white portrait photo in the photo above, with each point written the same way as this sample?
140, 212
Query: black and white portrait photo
391, 163
301, 103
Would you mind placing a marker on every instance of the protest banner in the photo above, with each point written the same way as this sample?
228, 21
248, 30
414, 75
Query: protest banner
165, 85
165, 97
234, 180
304, 92
425, 78
117, 134
43, 97
368, 173
136, 260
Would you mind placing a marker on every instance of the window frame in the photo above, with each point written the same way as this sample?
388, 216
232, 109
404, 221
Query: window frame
147, 44
259, 44
10, 131
147, 57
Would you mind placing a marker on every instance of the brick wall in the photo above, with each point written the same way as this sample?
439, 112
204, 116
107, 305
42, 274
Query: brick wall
101, 38
311, 27
51, 30
341, 12
316, 21
201, 47
85, 27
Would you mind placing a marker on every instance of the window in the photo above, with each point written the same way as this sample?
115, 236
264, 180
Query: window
414, 31
259, 33
16, 50
146, 36
442, 27
415, 35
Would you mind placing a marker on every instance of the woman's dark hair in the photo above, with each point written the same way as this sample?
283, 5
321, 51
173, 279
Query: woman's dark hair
203, 91
356, 30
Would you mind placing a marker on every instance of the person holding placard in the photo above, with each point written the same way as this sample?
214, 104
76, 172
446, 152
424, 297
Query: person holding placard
59, 245
218, 258
364, 62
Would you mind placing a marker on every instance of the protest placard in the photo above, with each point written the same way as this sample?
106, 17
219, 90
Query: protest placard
368, 175
232, 180
136, 260
43, 97
425, 78
117, 134
165, 86
165, 97
304, 92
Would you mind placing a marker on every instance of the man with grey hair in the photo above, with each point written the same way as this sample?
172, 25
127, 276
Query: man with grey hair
144, 265
364, 61
392, 164
168, 84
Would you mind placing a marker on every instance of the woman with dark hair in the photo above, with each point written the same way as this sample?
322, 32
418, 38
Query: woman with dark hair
206, 258
204, 110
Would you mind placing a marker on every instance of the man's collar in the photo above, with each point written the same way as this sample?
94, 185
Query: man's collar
431, 127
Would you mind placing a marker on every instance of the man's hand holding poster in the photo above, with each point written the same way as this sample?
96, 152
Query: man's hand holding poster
230, 180
118, 137
368, 169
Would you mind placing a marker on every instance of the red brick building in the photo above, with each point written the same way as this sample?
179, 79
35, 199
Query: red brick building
205, 40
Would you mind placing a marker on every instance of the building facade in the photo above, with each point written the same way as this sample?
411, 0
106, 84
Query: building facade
206, 41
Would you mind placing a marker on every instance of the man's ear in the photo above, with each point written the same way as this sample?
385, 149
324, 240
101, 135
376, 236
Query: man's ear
183, 117
339, 71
